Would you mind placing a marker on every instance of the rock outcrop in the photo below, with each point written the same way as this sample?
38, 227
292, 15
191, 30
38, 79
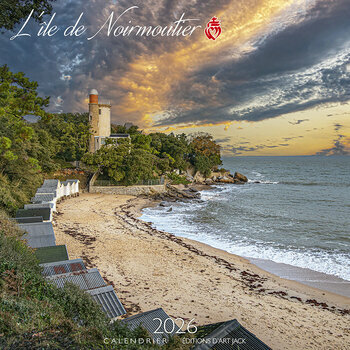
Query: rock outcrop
175, 193
240, 177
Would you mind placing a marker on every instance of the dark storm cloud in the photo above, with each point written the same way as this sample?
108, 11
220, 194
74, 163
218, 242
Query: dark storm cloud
297, 67
300, 67
67, 68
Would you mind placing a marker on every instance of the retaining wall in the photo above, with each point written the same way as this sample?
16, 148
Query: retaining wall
128, 190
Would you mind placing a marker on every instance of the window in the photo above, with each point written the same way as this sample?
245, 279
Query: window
99, 111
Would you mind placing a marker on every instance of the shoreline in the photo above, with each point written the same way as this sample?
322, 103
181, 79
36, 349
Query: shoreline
307, 277
319, 280
150, 269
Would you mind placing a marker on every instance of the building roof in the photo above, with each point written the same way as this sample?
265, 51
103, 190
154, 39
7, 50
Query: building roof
231, 335
39, 241
46, 190
93, 92
44, 197
45, 213
26, 220
148, 321
38, 228
119, 135
51, 183
85, 279
65, 266
73, 180
52, 254
38, 205
108, 300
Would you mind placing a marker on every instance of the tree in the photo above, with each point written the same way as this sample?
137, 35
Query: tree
139, 166
149, 156
125, 129
70, 132
22, 156
12, 12
172, 147
205, 153
109, 159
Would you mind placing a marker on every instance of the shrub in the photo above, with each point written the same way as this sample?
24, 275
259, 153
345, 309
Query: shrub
178, 179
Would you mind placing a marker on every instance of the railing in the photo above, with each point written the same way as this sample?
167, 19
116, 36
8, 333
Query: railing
104, 102
110, 182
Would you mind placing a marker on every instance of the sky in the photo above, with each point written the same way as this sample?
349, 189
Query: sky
275, 82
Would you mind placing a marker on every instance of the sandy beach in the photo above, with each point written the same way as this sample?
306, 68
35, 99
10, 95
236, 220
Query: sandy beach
188, 279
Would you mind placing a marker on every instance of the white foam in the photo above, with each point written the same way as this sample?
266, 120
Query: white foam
180, 221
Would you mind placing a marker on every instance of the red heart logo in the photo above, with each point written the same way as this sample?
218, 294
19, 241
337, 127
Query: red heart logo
214, 32
213, 29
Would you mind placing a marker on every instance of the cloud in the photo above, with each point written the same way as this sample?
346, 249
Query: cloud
337, 126
292, 138
340, 148
271, 59
240, 148
297, 122
223, 140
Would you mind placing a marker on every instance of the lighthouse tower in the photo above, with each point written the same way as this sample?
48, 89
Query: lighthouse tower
100, 121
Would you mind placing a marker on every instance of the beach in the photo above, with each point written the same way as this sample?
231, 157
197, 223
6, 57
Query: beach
150, 269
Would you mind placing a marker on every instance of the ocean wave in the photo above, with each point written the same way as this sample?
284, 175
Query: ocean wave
181, 223
265, 182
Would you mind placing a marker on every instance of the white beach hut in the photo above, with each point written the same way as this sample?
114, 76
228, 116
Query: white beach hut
67, 188
74, 187
52, 185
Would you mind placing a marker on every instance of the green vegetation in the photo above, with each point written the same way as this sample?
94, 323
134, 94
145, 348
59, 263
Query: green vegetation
29, 151
146, 157
33, 313
36, 314
12, 12
68, 132
178, 179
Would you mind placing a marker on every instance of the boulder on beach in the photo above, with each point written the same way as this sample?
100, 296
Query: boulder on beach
240, 177
198, 178
189, 178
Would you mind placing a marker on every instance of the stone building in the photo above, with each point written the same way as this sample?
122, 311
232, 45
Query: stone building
100, 122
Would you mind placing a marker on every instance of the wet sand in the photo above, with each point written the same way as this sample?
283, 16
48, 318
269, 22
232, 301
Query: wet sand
309, 277
150, 269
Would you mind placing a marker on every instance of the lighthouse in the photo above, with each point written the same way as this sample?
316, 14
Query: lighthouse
100, 122
99, 119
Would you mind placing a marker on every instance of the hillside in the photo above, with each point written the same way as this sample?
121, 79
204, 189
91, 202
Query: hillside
35, 314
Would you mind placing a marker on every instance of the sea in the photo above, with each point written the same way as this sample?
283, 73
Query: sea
293, 210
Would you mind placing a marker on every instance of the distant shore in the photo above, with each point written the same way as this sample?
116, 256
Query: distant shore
151, 269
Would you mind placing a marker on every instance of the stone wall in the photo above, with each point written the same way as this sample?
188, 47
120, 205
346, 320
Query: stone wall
128, 190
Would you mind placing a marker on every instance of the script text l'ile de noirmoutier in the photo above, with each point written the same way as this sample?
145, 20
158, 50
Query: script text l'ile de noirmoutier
180, 27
